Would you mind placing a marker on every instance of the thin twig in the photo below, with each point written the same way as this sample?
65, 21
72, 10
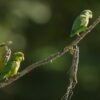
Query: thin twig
73, 75
50, 58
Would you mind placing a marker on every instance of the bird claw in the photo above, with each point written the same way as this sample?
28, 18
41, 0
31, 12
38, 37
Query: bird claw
6, 79
78, 34
71, 50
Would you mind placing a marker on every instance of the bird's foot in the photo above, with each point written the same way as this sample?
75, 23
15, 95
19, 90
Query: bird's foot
71, 50
78, 34
6, 79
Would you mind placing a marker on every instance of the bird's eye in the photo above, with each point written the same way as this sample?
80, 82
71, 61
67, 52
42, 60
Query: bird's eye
90, 12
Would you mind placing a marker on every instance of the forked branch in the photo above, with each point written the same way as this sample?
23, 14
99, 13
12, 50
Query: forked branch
51, 57
73, 75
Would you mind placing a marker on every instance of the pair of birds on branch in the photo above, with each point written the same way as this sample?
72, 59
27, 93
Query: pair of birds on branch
9, 66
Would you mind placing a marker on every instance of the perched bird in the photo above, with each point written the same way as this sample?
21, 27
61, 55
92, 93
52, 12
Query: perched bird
81, 22
12, 67
5, 54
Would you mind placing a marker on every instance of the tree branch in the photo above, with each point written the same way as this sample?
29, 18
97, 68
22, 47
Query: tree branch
50, 58
73, 75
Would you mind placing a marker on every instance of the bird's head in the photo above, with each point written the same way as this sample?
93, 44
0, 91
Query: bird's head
18, 56
88, 13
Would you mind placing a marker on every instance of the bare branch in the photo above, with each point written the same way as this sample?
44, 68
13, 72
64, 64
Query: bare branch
73, 75
52, 57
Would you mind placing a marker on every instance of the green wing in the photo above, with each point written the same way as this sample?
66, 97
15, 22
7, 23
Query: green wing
8, 70
79, 25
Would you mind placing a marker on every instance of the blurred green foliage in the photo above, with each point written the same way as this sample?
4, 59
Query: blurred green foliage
40, 28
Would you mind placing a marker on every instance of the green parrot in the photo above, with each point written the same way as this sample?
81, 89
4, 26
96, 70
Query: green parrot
12, 67
81, 22
5, 54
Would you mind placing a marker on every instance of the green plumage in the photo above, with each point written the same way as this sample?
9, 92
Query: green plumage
12, 67
81, 22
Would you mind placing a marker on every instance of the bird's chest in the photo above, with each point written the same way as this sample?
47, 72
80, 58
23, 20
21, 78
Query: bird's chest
85, 22
17, 66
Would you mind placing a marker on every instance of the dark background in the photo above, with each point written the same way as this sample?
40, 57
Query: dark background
40, 28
